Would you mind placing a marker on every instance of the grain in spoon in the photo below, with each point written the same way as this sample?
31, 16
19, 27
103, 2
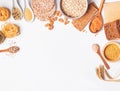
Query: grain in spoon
12, 49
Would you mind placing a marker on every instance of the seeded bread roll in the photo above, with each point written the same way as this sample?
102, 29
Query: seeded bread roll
112, 30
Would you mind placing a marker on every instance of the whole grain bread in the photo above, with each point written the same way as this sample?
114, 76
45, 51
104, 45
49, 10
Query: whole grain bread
112, 30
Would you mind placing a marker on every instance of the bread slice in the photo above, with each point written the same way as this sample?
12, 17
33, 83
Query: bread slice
112, 30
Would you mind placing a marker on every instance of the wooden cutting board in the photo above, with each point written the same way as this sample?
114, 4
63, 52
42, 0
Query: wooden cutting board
111, 11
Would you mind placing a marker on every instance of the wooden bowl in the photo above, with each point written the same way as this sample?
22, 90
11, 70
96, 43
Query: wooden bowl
111, 51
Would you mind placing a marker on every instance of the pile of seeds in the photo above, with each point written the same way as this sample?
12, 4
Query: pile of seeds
16, 13
43, 9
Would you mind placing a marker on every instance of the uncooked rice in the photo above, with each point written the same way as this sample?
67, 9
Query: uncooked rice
73, 8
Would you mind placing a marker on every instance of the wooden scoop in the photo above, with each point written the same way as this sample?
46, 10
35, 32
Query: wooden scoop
96, 48
97, 22
12, 49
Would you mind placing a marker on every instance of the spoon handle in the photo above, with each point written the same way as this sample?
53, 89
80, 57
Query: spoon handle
4, 50
15, 3
101, 5
26, 3
104, 61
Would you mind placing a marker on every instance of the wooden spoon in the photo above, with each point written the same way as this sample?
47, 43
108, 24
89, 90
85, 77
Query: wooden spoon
96, 48
97, 22
12, 49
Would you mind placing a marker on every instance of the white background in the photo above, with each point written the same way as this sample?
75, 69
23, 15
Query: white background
57, 60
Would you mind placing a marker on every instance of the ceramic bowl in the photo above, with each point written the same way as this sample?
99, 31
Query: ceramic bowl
69, 17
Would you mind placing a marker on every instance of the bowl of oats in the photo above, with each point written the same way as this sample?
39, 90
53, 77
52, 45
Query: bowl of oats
73, 8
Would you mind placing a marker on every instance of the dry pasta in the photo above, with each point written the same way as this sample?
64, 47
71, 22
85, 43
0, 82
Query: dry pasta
4, 14
10, 30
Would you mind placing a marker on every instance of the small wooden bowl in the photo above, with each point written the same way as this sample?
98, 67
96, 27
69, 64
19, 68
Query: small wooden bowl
111, 51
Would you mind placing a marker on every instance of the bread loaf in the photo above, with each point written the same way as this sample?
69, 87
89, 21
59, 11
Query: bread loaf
112, 30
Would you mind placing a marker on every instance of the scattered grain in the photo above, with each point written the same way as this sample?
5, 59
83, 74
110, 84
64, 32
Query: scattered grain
61, 20
58, 13
66, 22
57, 17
